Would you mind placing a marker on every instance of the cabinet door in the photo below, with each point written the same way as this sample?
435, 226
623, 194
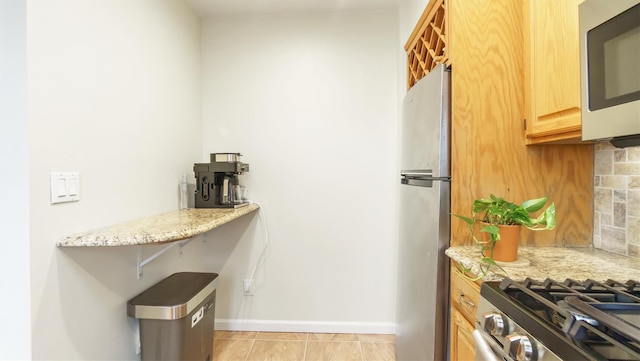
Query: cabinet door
461, 342
552, 72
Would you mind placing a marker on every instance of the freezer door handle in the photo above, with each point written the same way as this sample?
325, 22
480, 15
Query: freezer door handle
417, 173
420, 178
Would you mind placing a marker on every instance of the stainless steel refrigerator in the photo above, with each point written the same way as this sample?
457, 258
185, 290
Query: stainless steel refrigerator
425, 199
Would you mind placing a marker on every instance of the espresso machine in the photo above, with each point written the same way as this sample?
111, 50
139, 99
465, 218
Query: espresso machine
217, 182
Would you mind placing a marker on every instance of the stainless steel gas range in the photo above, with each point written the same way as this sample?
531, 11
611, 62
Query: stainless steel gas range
570, 320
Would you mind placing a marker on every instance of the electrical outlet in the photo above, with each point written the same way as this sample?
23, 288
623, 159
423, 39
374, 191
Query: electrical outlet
248, 287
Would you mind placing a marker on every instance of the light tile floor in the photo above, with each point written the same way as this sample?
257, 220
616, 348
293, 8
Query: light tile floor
277, 346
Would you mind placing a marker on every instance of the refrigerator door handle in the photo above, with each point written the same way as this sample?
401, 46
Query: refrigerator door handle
420, 178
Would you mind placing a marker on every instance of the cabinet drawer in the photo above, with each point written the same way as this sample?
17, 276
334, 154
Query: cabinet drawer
464, 295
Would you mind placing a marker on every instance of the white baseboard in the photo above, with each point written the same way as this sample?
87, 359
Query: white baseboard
305, 326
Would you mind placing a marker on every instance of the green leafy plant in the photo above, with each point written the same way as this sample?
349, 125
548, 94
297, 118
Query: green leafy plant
496, 211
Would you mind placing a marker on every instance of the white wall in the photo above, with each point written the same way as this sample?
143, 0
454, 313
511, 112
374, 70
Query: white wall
310, 100
410, 12
114, 93
14, 209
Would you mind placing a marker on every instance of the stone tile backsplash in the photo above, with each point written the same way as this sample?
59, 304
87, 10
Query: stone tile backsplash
616, 202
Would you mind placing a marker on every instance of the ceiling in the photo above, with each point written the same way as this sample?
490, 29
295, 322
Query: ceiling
213, 8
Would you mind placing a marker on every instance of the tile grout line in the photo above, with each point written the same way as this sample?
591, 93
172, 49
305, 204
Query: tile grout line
306, 344
360, 346
253, 343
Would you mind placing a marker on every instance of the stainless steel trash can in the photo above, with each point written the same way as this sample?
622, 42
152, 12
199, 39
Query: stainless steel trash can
176, 317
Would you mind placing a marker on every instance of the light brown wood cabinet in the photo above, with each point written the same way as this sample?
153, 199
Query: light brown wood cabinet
552, 72
464, 306
427, 44
461, 347
489, 154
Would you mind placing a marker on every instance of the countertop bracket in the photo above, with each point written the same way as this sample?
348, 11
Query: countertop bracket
143, 262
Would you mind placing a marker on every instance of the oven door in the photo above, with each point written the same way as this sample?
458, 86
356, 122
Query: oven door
485, 351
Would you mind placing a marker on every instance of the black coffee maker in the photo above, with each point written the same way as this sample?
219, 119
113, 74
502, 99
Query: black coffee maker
217, 182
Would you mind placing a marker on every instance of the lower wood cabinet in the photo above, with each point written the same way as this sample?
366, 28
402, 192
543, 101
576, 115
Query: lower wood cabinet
464, 296
462, 347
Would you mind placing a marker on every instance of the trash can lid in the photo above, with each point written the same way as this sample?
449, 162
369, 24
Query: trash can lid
174, 297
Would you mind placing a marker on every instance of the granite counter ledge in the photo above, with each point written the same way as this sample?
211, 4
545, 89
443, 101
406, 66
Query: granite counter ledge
557, 263
162, 228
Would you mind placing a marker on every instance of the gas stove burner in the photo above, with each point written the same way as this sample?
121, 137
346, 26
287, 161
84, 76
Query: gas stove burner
587, 320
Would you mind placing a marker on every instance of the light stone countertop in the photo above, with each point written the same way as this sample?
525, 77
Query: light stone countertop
557, 263
162, 228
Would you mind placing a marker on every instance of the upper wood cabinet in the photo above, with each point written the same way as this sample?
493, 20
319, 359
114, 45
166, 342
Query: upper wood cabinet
552, 72
488, 151
427, 44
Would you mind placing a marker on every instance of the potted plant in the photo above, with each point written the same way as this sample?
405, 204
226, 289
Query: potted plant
498, 221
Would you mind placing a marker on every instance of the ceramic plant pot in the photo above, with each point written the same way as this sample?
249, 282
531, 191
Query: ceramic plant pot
506, 249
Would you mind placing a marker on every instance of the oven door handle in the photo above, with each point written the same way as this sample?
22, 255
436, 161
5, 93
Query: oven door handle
484, 352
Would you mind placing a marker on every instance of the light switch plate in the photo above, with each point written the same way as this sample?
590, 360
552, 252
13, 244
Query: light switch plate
65, 187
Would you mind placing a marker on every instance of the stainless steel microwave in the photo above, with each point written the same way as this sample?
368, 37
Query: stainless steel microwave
610, 71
